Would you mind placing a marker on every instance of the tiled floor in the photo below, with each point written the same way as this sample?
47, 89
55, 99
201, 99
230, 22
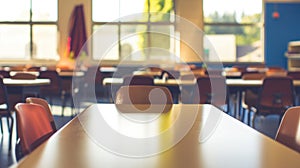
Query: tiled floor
266, 125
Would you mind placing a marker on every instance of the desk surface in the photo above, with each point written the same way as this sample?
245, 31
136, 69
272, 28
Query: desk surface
71, 74
25, 82
170, 82
214, 140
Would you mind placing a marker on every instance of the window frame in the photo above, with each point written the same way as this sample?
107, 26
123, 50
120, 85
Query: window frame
259, 24
31, 24
119, 24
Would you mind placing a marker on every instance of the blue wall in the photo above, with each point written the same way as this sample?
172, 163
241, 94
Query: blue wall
278, 32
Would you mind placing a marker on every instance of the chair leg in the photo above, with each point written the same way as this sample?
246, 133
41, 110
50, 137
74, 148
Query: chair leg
280, 118
1, 125
7, 122
242, 115
253, 120
11, 132
51, 100
249, 116
63, 103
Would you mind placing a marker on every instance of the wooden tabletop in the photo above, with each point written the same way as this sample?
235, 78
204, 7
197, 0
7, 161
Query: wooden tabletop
170, 82
210, 138
249, 83
71, 73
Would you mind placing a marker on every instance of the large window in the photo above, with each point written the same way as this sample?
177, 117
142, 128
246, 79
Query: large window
28, 29
137, 29
233, 27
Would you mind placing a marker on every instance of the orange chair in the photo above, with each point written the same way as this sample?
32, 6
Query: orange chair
276, 95
5, 110
288, 131
33, 126
211, 90
140, 94
24, 75
250, 96
45, 104
276, 71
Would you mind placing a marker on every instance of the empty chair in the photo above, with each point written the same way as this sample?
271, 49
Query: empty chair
143, 94
23, 75
94, 78
187, 90
295, 75
33, 126
5, 110
54, 89
276, 95
34, 68
250, 96
288, 131
142, 97
45, 104
18, 68
138, 80
4, 73
276, 71
211, 90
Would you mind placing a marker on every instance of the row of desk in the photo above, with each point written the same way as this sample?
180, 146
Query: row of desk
235, 86
189, 135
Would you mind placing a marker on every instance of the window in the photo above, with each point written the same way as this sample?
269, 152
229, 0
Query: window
233, 28
137, 30
28, 30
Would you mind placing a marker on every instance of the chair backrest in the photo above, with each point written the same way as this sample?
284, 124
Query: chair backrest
138, 80
33, 126
3, 95
253, 76
4, 73
288, 132
276, 71
143, 94
294, 74
211, 90
277, 93
45, 104
24, 75
34, 68
55, 85
94, 75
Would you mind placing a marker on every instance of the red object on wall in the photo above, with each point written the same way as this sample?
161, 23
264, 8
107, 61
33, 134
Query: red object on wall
275, 15
77, 33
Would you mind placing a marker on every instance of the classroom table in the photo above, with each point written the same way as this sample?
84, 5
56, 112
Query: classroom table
25, 82
235, 87
186, 136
